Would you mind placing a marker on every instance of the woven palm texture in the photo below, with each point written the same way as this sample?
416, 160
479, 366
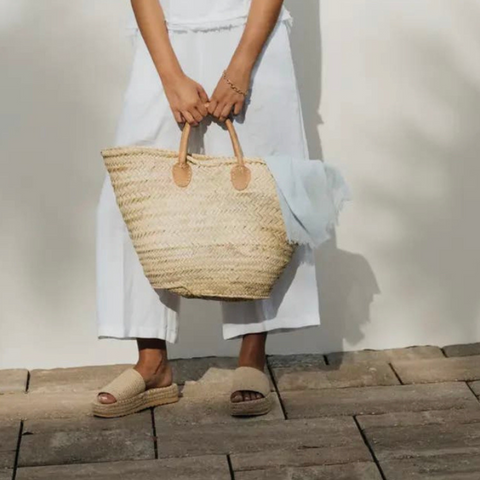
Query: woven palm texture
206, 239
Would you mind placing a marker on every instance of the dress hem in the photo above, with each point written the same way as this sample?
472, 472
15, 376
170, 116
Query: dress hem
109, 332
277, 325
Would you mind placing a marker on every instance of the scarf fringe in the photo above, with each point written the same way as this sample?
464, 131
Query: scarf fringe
339, 194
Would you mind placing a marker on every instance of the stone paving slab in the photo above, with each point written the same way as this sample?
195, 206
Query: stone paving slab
436, 417
6, 474
87, 440
352, 471
397, 443
377, 400
369, 356
301, 457
453, 437
72, 380
213, 439
8, 445
13, 381
9, 432
462, 350
443, 467
206, 369
301, 362
205, 375
45, 405
438, 370
194, 468
208, 409
475, 386
334, 376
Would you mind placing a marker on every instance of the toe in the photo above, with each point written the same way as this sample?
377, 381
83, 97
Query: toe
245, 396
237, 397
106, 398
255, 395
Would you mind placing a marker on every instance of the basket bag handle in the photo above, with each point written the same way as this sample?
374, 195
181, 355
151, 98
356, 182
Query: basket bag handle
240, 174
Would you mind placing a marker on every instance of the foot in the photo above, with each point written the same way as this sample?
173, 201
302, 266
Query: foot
252, 354
156, 372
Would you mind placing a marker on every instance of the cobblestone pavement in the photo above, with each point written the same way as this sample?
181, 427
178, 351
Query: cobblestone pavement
402, 414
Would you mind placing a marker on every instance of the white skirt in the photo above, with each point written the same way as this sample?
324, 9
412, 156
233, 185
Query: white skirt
127, 306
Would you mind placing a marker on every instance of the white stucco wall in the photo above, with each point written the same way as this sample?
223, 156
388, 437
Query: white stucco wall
397, 85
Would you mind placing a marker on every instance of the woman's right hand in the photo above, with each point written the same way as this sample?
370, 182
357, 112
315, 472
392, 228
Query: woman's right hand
187, 99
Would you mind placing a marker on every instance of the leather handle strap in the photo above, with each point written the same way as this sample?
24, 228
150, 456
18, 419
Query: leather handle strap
182, 171
182, 156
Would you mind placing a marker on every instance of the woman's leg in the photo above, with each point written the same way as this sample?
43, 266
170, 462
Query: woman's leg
252, 354
152, 364
272, 123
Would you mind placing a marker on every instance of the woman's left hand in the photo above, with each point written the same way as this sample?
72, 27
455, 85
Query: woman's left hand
225, 99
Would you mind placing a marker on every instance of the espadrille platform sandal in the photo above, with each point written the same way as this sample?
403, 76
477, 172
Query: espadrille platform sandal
252, 380
129, 390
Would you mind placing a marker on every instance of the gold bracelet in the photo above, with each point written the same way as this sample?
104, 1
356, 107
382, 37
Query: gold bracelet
232, 85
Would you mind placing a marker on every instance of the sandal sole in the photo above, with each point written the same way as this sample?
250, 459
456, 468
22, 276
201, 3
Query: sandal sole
148, 399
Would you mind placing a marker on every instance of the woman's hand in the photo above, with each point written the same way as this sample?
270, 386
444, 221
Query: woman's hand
187, 99
224, 98
262, 18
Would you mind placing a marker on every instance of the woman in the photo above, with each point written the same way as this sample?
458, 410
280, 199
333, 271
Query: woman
200, 61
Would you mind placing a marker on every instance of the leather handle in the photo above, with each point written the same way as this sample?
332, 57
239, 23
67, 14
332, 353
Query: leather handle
182, 171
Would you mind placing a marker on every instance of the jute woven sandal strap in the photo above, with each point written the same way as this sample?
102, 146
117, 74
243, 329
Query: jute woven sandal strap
250, 379
126, 385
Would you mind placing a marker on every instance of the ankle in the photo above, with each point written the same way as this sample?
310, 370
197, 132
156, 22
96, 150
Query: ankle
255, 359
152, 361
252, 352
258, 363
152, 364
155, 372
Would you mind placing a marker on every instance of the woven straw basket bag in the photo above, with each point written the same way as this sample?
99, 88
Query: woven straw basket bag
202, 226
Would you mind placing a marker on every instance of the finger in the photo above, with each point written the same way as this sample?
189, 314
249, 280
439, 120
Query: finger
202, 94
237, 108
212, 105
227, 110
196, 115
178, 117
218, 110
202, 109
189, 118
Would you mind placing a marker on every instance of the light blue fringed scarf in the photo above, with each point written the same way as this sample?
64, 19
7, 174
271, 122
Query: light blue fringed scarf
311, 195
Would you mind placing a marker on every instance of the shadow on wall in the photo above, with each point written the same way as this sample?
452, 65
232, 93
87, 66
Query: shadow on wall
347, 283
436, 162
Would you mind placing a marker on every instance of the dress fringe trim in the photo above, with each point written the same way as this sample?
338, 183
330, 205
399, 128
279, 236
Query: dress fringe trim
211, 25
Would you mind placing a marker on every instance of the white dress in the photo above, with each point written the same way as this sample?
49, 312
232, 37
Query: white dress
204, 35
